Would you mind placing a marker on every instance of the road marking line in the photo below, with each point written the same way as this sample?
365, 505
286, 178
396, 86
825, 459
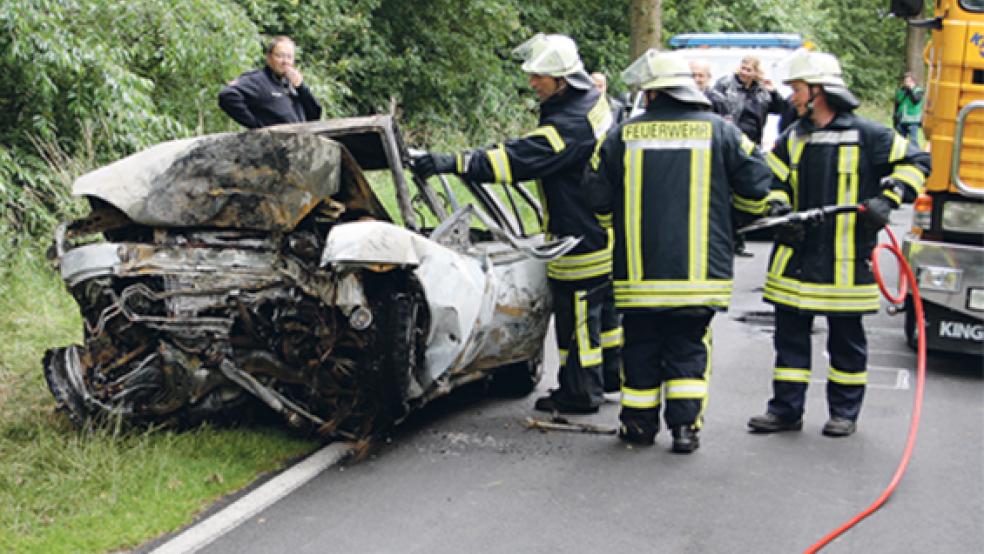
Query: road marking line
904, 384
902, 379
233, 515
904, 353
885, 368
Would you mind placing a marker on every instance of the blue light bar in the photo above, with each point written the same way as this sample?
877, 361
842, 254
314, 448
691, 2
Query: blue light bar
737, 40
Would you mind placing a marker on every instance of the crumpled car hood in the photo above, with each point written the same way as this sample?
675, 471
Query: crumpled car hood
264, 179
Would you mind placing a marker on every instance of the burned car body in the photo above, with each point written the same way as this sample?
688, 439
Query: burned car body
224, 272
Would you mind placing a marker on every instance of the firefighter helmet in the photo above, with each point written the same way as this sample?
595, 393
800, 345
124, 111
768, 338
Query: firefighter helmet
668, 72
815, 68
554, 56
821, 68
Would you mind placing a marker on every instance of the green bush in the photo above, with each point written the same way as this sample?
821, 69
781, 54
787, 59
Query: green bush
83, 82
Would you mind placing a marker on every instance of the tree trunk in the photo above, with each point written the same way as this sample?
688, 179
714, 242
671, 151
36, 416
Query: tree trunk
915, 43
645, 20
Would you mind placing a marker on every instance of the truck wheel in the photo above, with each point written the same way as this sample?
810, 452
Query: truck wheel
517, 379
911, 335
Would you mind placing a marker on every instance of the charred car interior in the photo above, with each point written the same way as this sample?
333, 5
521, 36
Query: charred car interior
225, 274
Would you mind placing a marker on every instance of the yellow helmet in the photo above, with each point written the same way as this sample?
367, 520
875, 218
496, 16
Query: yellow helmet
665, 71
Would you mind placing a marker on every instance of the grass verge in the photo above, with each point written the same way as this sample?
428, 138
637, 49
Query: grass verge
66, 490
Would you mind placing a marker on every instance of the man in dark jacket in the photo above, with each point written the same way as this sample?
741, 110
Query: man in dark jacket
751, 98
573, 117
701, 71
830, 156
272, 95
667, 180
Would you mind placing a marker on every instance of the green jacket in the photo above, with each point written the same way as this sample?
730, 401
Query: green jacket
908, 105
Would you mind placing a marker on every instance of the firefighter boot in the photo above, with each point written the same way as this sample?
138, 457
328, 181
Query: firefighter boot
637, 432
770, 423
685, 439
557, 402
839, 427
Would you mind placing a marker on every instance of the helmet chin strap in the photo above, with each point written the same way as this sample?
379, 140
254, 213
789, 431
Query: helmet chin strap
561, 87
809, 103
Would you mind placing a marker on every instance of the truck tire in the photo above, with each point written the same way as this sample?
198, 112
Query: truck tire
911, 336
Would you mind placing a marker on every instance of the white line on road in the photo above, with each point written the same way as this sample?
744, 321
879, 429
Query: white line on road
896, 352
901, 383
902, 379
230, 517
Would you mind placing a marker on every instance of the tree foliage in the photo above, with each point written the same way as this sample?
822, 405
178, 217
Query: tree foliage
83, 82
97, 80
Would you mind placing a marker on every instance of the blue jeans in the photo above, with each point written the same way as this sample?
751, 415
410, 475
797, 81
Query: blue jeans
910, 131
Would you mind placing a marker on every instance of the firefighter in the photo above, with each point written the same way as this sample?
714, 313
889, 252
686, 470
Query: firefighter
573, 117
666, 180
829, 156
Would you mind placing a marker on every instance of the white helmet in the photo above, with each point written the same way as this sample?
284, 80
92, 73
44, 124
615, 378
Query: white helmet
665, 71
821, 68
555, 56
815, 68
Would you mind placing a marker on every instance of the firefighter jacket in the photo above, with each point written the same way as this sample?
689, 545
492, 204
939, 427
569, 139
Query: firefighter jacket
842, 163
666, 180
556, 154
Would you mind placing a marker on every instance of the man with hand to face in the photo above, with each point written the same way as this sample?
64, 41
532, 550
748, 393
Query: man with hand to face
272, 95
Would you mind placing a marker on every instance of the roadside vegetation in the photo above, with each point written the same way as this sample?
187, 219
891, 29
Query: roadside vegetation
69, 490
85, 82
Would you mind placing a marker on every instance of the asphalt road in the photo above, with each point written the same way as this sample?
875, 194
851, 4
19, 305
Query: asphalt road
464, 475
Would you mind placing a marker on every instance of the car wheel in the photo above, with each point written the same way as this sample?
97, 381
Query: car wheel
517, 379
397, 346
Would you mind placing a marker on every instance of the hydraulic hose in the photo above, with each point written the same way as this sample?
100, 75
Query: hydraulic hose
906, 278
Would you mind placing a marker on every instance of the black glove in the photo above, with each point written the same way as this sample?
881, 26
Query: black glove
433, 163
896, 189
875, 211
777, 207
791, 234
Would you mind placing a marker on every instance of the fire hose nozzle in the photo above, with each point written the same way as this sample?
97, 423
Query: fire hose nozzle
813, 215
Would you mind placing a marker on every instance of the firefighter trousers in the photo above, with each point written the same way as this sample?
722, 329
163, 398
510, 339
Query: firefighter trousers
666, 358
577, 323
612, 339
847, 348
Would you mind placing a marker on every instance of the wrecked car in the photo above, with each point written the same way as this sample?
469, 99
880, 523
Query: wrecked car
295, 269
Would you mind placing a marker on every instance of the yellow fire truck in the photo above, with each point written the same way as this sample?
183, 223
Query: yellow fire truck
946, 246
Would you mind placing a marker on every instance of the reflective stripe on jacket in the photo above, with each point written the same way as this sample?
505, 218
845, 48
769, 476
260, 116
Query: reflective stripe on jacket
839, 164
667, 180
555, 154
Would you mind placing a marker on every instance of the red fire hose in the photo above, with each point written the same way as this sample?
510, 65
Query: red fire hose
906, 277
